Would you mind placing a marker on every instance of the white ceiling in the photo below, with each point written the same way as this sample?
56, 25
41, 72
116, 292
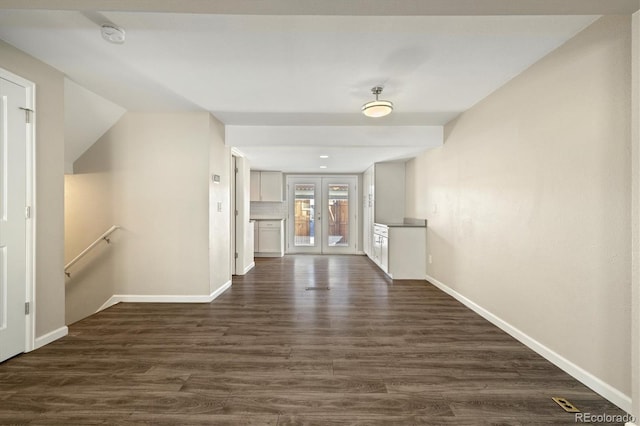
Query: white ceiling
290, 71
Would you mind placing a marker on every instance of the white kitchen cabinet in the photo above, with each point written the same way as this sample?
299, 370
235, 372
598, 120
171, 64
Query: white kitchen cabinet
367, 212
400, 251
376, 249
269, 240
256, 236
381, 246
254, 191
384, 254
266, 186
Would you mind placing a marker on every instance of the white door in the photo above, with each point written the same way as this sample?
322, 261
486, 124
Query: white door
339, 205
13, 229
236, 234
305, 214
322, 214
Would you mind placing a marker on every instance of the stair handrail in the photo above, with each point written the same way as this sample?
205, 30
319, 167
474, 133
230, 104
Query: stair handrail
102, 237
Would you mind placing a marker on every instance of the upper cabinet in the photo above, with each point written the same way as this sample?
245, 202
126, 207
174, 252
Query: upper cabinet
266, 186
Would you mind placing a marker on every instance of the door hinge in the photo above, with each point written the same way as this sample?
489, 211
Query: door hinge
28, 113
27, 212
237, 170
236, 212
236, 256
27, 305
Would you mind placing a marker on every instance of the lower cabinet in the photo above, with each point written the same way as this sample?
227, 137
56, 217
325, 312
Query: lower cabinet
381, 247
384, 253
376, 249
269, 238
400, 251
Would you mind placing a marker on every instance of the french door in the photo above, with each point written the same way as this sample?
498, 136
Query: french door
322, 214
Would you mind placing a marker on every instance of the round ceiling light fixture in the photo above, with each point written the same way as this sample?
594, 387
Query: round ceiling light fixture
112, 33
377, 108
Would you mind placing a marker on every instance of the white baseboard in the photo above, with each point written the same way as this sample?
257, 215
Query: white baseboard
113, 300
607, 391
163, 298
52, 336
248, 268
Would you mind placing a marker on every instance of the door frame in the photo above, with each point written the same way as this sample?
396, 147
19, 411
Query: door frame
30, 222
321, 180
291, 222
241, 242
234, 214
354, 202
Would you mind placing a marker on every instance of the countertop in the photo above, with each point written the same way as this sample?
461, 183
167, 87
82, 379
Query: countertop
408, 223
265, 218
401, 225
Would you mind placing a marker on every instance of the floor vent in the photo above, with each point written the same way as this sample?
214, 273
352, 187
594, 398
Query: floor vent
317, 288
565, 404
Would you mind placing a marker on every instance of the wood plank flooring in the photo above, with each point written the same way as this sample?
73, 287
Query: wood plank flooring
368, 351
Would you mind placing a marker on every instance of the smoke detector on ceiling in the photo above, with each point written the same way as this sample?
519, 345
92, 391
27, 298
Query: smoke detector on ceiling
112, 33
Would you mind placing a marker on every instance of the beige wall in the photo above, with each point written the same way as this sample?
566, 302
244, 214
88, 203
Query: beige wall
528, 202
150, 175
49, 298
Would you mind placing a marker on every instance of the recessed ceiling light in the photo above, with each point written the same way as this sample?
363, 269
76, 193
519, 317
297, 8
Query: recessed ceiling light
324, 156
112, 33
323, 167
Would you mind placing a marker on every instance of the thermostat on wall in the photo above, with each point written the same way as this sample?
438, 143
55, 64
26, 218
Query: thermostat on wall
215, 178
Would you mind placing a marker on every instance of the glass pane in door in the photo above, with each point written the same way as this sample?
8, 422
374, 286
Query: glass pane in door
304, 211
338, 215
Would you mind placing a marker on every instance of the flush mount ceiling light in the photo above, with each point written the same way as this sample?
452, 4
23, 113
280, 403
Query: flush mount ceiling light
112, 33
377, 108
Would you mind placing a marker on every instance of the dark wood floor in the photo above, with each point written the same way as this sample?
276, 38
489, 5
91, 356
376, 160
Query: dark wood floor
269, 351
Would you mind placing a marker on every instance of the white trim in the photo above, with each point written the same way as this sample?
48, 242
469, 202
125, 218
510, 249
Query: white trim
50, 337
163, 298
322, 181
607, 391
635, 215
236, 152
30, 171
249, 267
30, 332
113, 300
